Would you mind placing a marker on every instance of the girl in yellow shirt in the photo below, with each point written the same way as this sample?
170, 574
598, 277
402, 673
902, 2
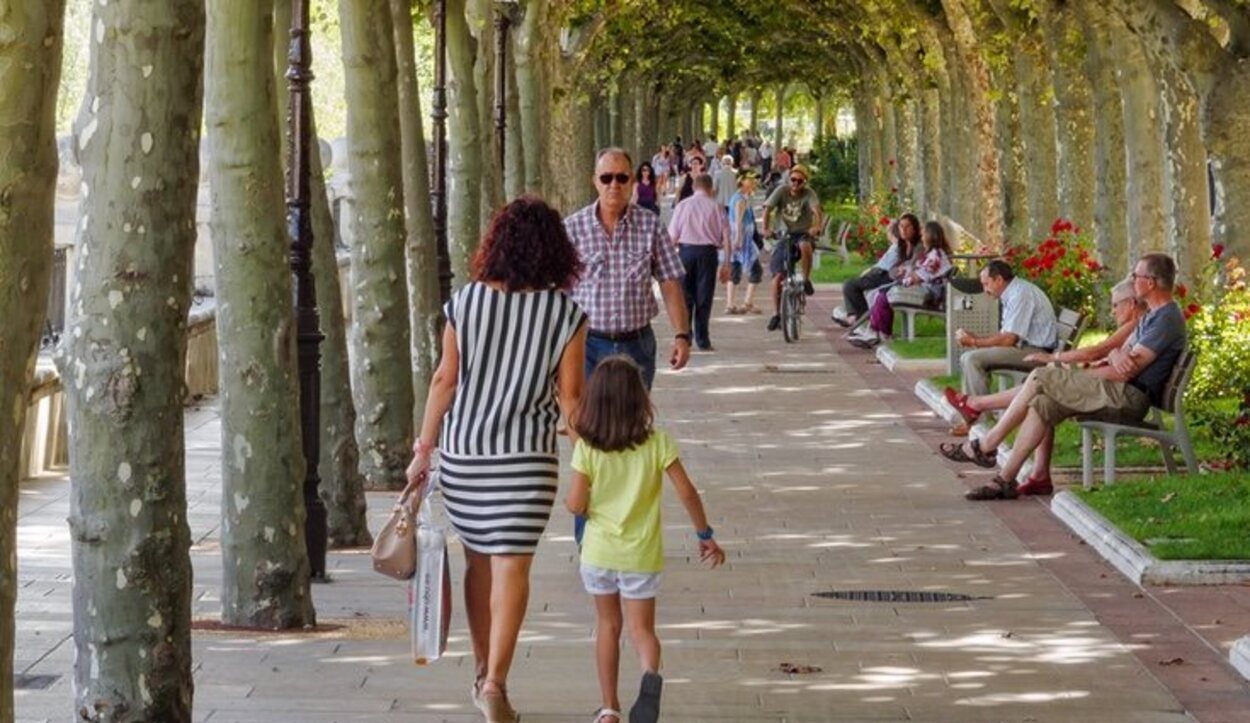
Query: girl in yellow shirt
618, 466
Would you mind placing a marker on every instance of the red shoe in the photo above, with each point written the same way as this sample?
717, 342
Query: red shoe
1035, 486
960, 403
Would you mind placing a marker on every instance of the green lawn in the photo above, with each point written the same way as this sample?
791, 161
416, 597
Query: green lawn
930, 341
1200, 517
833, 271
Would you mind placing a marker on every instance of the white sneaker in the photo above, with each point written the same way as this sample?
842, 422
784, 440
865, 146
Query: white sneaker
839, 314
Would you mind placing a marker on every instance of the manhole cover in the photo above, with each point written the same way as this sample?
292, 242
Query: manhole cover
33, 682
896, 596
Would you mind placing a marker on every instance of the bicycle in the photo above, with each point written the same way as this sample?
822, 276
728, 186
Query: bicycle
793, 293
793, 296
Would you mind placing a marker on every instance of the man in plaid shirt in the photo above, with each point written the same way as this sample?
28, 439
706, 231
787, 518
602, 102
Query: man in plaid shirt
623, 247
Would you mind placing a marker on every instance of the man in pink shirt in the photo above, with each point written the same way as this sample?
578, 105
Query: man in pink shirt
701, 230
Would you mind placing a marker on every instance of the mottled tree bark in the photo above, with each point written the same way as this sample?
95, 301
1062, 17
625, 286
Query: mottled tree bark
978, 95
123, 361
531, 89
1013, 164
464, 176
514, 174
756, 96
1074, 120
342, 485
480, 18
381, 356
1143, 145
265, 570
1187, 217
422, 254
779, 135
731, 122
1110, 212
30, 70
931, 162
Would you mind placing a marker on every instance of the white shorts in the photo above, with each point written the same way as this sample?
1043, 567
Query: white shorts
630, 585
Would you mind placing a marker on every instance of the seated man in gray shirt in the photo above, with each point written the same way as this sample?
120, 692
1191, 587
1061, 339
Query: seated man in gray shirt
1028, 327
1120, 388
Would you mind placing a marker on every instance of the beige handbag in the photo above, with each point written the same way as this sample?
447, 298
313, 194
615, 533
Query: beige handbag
394, 550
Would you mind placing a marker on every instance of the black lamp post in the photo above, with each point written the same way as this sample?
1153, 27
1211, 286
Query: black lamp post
505, 12
439, 192
308, 325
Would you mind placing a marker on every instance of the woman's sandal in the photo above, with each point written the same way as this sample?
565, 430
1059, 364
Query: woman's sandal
954, 451
960, 403
603, 715
1036, 486
997, 489
495, 705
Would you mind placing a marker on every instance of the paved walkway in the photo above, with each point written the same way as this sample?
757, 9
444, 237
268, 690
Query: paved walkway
813, 483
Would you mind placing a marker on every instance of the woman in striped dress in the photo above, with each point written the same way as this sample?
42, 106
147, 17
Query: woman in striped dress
513, 351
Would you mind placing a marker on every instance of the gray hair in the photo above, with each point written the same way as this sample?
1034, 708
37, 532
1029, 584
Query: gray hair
1124, 290
614, 151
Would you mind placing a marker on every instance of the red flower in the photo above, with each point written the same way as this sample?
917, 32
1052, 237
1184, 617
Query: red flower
1092, 265
1182, 291
1067, 273
885, 221
1217, 251
1191, 310
1060, 225
1061, 252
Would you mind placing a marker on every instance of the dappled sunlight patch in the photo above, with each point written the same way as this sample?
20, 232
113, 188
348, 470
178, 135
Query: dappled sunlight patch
1015, 698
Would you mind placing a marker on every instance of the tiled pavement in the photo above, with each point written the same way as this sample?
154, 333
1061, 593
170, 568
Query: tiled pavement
813, 482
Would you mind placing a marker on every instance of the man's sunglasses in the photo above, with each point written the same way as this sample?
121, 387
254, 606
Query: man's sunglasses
607, 178
798, 181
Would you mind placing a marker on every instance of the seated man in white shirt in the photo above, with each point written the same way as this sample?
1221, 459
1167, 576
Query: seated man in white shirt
1028, 327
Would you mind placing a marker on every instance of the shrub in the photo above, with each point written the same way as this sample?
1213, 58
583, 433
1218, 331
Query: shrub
869, 236
836, 169
1064, 266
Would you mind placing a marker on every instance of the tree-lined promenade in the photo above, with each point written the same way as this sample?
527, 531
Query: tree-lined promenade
1128, 116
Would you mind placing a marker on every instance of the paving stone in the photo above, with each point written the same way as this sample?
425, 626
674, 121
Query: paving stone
813, 482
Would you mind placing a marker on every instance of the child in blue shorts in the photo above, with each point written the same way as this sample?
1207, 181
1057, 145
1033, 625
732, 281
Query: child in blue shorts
619, 463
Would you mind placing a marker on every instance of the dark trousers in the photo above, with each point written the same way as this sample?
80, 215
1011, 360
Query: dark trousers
700, 287
853, 290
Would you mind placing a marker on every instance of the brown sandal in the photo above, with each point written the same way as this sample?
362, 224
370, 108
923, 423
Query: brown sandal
997, 489
954, 451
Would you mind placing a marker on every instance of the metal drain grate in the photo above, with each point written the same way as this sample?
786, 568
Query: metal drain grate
896, 596
22, 681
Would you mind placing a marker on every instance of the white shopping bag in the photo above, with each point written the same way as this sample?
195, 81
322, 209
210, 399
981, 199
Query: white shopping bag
429, 597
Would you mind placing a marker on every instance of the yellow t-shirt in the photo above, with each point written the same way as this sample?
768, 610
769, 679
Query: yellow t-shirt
623, 516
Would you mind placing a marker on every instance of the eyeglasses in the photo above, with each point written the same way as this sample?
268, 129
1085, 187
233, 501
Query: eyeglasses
1117, 302
798, 181
1134, 275
607, 178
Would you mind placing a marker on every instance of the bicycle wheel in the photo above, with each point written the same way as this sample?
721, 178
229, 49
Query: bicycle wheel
790, 314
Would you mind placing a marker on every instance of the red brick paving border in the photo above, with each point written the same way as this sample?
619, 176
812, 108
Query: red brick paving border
1181, 635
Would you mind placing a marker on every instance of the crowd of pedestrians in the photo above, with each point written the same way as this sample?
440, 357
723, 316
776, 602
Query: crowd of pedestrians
556, 324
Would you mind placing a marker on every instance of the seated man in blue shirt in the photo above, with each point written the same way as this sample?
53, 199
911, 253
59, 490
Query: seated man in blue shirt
1028, 327
1120, 388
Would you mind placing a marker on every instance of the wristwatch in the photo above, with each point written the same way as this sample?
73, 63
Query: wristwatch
684, 336
705, 535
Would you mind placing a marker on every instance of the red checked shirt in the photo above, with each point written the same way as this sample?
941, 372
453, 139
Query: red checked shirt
615, 287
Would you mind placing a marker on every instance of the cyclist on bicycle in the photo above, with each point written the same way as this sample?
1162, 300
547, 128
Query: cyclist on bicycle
800, 213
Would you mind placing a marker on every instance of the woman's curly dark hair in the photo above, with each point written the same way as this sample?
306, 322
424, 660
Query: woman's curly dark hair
527, 248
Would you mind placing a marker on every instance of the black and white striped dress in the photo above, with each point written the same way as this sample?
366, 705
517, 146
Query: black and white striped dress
498, 456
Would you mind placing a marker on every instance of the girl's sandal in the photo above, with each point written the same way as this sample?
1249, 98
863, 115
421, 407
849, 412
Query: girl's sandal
607, 715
